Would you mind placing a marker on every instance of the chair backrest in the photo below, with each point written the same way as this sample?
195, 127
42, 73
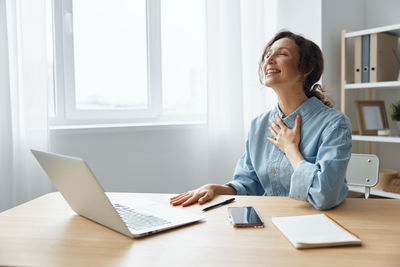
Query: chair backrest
363, 170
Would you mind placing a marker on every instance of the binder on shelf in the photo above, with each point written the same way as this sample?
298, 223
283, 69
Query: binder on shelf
383, 63
357, 59
365, 58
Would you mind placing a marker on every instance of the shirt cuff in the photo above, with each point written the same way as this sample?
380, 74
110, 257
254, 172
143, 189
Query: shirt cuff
301, 180
240, 189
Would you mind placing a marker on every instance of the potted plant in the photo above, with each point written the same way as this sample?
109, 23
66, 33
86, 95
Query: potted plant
395, 114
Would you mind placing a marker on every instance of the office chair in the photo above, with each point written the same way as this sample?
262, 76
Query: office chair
363, 170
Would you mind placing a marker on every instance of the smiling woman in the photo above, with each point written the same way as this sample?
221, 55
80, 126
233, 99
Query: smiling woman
291, 49
299, 149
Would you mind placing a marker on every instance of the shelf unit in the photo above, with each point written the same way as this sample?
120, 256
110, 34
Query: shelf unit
348, 86
392, 29
381, 85
373, 138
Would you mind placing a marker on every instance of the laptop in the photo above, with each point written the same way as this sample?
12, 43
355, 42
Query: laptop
135, 217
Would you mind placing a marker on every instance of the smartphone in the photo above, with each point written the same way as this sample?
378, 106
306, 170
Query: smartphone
245, 217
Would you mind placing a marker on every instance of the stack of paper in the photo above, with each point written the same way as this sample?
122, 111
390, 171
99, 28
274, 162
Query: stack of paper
312, 231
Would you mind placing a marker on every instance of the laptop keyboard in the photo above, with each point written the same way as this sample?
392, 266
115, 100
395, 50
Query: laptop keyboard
136, 220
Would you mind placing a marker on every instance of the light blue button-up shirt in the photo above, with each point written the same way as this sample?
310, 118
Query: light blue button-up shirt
325, 143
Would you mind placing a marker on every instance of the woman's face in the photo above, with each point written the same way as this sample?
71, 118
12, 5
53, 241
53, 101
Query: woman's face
281, 67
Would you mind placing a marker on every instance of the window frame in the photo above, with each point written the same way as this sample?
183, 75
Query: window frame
64, 81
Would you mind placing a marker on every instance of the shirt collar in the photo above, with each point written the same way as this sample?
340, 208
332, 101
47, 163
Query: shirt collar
312, 104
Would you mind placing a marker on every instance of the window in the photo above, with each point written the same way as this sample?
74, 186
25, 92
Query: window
129, 61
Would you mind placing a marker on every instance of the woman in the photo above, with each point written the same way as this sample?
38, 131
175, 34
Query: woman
299, 149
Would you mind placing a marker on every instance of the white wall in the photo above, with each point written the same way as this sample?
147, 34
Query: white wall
149, 159
302, 17
352, 17
380, 13
336, 16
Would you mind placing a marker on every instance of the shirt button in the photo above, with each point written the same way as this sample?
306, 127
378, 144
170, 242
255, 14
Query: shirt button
278, 192
273, 171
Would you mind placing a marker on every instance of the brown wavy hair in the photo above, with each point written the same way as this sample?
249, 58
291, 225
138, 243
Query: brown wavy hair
311, 61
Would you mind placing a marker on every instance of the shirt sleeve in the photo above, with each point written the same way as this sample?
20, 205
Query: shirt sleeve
323, 183
245, 180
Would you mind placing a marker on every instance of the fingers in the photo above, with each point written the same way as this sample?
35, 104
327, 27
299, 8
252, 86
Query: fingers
272, 140
178, 196
191, 200
205, 198
205, 193
274, 129
297, 123
180, 199
280, 122
274, 134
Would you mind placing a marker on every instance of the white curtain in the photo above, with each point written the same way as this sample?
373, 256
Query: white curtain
237, 31
24, 81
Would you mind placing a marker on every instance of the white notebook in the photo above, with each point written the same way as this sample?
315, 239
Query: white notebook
312, 231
